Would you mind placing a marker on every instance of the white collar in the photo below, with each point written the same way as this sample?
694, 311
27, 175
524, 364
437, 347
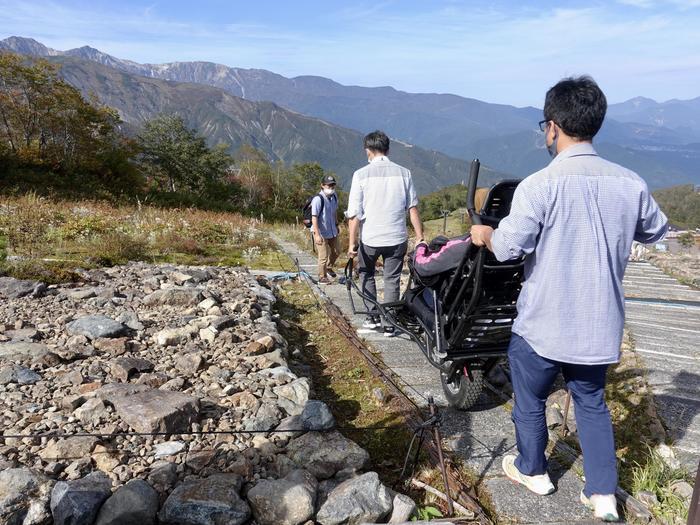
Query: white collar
379, 158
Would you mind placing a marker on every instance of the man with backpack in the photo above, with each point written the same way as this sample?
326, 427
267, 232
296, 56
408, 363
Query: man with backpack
323, 209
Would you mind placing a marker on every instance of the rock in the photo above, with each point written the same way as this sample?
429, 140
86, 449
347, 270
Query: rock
197, 460
78, 502
223, 322
254, 348
189, 364
12, 288
668, 455
682, 489
317, 416
403, 509
553, 417
96, 326
357, 500
83, 293
72, 377
155, 380
174, 297
180, 278
288, 501
106, 459
115, 346
131, 320
207, 304
173, 336
157, 411
267, 418
324, 454
169, 448
163, 475
92, 411
289, 428
647, 498
123, 367
380, 395
113, 391
293, 396
133, 503
173, 385
78, 468
19, 375
208, 334
19, 351
23, 334
24, 497
211, 501
246, 401
70, 448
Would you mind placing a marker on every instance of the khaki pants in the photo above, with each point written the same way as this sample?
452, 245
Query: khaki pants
327, 255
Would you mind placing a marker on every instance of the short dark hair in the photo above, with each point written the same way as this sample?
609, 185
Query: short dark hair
577, 105
377, 141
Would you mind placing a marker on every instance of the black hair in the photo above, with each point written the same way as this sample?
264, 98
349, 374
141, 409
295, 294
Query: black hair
377, 141
577, 105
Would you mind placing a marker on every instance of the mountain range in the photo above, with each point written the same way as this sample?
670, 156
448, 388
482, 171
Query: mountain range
661, 141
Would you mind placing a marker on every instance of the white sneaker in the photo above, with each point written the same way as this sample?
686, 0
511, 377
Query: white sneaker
371, 323
540, 484
604, 506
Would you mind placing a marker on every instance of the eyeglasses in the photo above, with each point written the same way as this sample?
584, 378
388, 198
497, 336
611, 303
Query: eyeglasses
543, 124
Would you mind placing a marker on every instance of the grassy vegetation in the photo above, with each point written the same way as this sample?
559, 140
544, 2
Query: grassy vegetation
48, 239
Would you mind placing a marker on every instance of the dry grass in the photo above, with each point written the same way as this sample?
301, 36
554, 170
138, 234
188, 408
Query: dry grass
50, 235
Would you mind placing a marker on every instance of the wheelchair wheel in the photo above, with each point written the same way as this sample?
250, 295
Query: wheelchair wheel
461, 393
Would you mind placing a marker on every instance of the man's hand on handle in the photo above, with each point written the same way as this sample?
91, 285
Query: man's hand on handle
481, 235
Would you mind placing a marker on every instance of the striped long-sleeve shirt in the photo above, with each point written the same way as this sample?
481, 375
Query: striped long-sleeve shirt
575, 222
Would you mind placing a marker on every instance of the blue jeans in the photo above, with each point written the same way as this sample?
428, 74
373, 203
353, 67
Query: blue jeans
533, 377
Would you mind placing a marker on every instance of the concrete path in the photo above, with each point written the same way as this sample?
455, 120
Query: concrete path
663, 317
480, 436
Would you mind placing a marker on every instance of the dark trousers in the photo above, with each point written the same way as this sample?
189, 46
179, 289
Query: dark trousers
392, 257
533, 377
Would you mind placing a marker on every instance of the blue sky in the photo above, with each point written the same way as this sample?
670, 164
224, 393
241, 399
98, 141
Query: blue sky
504, 51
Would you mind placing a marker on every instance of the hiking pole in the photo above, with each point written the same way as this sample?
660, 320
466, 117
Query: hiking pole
438, 445
567, 404
694, 510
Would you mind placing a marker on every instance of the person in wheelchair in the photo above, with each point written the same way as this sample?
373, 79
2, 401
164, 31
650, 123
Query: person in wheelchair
574, 223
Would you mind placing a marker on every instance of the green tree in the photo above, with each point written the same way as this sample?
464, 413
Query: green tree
178, 159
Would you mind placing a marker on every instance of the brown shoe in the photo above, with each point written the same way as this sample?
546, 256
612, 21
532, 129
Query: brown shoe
324, 280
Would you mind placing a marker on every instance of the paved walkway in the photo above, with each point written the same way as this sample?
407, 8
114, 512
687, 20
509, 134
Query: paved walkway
480, 436
664, 319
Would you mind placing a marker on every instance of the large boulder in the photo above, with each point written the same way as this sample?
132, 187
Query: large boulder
76, 447
133, 503
293, 396
176, 296
211, 501
12, 288
362, 499
317, 416
324, 454
78, 502
157, 410
288, 501
19, 375
24, 497
96, 326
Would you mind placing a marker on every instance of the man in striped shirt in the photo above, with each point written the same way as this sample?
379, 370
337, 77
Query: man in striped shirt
574, 222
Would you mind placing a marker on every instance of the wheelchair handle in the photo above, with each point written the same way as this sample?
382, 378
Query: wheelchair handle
471, 191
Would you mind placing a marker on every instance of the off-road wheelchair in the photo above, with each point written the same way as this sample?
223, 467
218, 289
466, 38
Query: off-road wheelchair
459, 304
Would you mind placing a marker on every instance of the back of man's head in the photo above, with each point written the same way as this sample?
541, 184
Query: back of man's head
577, 105
377, 141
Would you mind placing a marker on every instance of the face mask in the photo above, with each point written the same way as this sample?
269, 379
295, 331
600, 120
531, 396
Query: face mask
552, 148
328, 191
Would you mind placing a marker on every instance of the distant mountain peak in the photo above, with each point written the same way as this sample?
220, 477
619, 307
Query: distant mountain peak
27, 46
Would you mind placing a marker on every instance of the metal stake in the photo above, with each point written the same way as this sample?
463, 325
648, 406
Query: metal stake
438, 445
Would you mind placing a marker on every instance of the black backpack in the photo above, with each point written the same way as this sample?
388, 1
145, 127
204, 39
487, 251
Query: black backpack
306, 210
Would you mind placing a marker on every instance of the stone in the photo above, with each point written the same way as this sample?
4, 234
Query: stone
173, 336
92, 411
163, 475
83, 293
115, 346
176, 296
131, 320
180, 278
246, 401
380, 395
207, 304
23, 334
136, 502
24, 497
189, 364
404, 508
210, 501
157, 411
254, 348
647, 498
553, 417
668, 456
267, 341
69, 377
154, 380
266, 418
317, 416
123, 367
96, 326
173, 385
19, 375
169, 448
113, 391
208, 334
70, 448
223, 322
106, 459
288, 501
682, 489
12, 288
289, 428
78, 502
22, 350
324, 454
197, 460
357, 500
78, 468
293, 396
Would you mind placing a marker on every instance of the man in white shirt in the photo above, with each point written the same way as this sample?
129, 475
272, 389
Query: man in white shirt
381, 194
